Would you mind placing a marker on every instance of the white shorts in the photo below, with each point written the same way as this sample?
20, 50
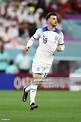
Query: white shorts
38, 67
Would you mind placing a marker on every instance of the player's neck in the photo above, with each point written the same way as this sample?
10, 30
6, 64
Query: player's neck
51, 28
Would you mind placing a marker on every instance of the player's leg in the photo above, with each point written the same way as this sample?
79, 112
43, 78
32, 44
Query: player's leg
33, 90
26, 89
34, 84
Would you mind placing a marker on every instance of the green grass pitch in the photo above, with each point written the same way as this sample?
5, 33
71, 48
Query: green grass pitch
54, 106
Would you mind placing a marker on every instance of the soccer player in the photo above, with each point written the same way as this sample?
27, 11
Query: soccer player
50, 39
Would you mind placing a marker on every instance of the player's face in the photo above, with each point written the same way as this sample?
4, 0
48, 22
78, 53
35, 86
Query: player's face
52, 20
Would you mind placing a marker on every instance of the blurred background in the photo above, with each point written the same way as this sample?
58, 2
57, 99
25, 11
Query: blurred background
19, 19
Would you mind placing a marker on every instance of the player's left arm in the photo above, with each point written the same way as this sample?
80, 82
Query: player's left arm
61, 45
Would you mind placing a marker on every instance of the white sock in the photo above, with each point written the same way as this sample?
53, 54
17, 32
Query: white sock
27, 88
33, 93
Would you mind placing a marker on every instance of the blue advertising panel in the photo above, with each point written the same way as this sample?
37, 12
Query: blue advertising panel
6, 81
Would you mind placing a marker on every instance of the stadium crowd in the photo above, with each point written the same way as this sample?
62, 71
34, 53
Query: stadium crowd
19, 19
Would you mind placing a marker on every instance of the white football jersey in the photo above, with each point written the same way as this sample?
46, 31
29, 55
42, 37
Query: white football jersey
48, 42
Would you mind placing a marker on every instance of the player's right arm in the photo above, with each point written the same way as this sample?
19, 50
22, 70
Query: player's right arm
35, 37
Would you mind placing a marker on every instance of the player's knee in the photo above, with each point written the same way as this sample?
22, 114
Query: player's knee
37, 81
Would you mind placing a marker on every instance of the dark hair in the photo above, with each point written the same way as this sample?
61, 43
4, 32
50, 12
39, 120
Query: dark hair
49, 14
